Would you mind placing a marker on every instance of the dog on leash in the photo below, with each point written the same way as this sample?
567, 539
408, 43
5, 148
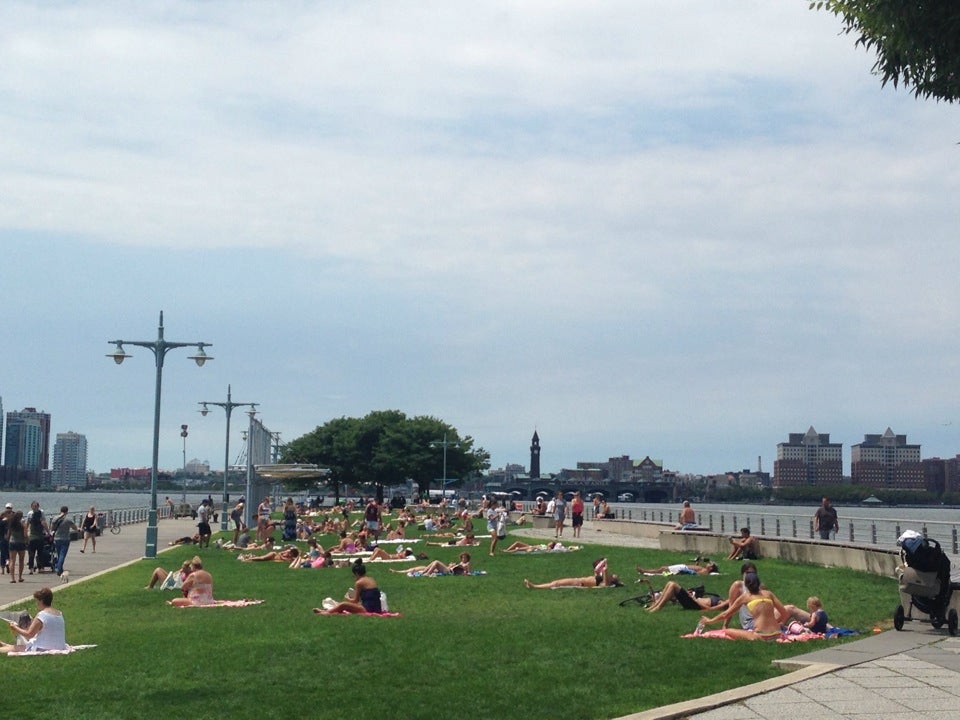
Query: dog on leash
64, 577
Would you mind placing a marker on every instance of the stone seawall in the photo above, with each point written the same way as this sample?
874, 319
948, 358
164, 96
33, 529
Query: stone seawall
866, 558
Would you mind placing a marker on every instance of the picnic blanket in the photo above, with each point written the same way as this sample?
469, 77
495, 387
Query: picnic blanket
225, 603
69, 649
363, 614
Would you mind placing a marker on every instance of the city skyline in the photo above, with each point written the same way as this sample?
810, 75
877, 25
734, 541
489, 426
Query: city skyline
682, 230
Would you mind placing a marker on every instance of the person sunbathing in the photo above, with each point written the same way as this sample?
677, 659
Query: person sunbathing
197, 588
687, 599
601, 578
461, 567
681, 569
172, 580
288, 554
363, 597
348, 545
764, 606
552, 546
379, 553
745, 547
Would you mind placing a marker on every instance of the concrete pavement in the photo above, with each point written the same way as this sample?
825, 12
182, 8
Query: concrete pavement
908, 675
113, 551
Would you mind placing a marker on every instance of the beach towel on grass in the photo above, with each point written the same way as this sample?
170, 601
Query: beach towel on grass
225, 603
69, 649
420, 574
784, 638
363, 614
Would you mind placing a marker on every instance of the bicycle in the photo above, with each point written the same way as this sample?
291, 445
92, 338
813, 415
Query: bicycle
114, 526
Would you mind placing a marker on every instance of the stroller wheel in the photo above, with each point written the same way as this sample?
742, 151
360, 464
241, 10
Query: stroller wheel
952, 621
937, 621
898, 618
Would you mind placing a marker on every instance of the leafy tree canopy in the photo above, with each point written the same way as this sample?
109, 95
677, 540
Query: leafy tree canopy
387, 448
917, 42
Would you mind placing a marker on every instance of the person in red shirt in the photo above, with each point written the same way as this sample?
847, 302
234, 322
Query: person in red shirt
576, 512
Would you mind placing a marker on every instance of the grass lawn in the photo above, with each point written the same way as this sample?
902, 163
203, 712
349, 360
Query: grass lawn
477, 647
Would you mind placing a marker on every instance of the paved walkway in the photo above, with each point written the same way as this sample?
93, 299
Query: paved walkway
112, 552
909, 675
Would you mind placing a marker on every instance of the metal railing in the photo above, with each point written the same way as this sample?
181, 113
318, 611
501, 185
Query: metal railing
878, 532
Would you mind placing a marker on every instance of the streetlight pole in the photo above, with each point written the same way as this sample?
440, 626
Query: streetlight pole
183, 434
444, 444
228, 406
159, 348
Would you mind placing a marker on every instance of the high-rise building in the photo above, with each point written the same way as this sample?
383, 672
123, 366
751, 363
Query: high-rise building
70, 460
808, 459
886, 461
27, 445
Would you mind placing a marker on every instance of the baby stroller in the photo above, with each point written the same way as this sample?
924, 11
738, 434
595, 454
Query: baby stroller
924, 576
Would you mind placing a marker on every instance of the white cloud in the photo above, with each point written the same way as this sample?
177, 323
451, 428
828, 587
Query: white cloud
667, 228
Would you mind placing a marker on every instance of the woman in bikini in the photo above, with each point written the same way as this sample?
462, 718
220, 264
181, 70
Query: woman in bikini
600, 578
461, 567
380, 554
363, 597
197, 588
764, 606
287, 555
681, 569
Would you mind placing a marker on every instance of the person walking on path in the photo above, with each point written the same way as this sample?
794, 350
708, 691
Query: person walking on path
89, 528
825, 520
559, 513
17, 538
4, 542
62, 527
37, 532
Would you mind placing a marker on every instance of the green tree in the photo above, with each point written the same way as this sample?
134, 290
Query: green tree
917, 42
387, 448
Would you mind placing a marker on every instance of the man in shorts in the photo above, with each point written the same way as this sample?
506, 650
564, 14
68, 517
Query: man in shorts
371, 516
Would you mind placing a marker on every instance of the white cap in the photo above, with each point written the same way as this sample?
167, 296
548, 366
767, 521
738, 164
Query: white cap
9, 505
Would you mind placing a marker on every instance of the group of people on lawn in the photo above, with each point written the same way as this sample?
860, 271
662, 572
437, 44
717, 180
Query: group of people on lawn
762, 615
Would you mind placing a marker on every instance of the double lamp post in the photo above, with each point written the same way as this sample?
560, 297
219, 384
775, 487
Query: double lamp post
159, 348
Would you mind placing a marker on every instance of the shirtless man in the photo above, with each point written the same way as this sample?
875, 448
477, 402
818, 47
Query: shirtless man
745, 547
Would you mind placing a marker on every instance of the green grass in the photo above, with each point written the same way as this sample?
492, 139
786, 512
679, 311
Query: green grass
478, 647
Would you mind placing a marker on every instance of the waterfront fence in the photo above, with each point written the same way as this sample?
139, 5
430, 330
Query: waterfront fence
878, 532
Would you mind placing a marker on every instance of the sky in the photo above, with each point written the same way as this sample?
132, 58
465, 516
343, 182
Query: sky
675, 229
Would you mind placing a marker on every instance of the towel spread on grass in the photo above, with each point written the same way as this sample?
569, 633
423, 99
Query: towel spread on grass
394, 560
443, 574
225, 603
398, 541
784, 637
363, 614
69, 649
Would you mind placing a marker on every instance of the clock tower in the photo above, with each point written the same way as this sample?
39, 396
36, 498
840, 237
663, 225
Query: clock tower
535, 457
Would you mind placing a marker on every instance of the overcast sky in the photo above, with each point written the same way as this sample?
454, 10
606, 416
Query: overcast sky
675, 229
